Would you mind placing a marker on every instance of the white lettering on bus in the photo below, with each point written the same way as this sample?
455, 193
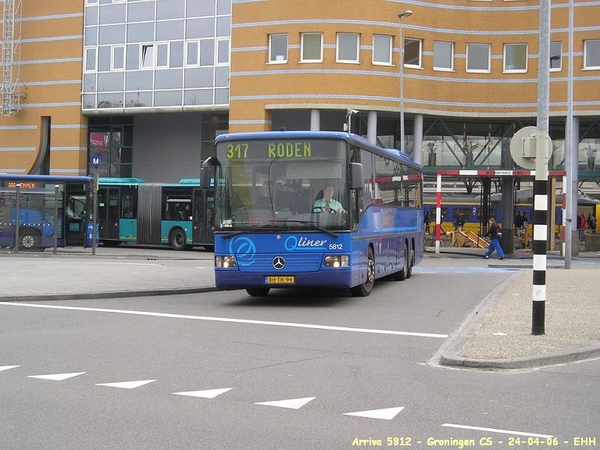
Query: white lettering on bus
304, 242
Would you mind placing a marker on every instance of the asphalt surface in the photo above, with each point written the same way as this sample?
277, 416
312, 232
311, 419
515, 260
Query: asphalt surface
496, 335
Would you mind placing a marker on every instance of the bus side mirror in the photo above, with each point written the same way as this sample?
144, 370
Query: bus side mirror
356, 176
208, 172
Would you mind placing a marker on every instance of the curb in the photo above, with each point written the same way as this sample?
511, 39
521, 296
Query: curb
104, 295
523, 362
447, 354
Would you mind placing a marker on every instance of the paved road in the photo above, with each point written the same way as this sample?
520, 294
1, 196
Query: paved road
222, 370
497, 333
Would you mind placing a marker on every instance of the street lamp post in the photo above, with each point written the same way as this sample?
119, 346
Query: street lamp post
406, 13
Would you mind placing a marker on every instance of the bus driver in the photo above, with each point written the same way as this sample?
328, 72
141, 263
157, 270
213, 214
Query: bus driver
328, 203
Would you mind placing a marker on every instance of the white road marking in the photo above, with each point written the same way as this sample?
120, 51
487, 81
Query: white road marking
57, 376
211, 393
294, 403
495, 430
384, 414
231, 320
127, 384
7, 367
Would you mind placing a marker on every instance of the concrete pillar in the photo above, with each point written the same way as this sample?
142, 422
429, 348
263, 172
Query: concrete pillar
573, 173
372, 127
315, 120
418, 139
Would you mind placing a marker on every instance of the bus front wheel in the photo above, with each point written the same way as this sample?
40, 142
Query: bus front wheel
29, 239
177, 239
258, 291
363, 290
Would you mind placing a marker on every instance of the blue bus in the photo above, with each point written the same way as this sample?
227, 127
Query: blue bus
33, 211
177, 214
313, 209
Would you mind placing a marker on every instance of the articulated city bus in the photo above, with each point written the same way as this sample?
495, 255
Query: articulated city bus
308, 209
178, 214
33, 211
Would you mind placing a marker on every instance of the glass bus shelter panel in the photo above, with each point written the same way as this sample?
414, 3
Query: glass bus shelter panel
37, 219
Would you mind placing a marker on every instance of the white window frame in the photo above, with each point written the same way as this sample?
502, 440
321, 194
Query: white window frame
186, 62
218, 61
489, 58
390, 41
147, 62
338, 47
273, 59
419, 64
506, 68
88, 51
559, 68
442, 68
585, 54
302, 48
113, 59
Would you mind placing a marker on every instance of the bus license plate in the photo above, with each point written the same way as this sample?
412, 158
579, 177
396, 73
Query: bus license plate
290, 279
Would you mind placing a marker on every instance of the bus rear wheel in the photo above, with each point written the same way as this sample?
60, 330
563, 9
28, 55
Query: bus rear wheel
410, 263
177, 239
363, 290
406, 271
258, 291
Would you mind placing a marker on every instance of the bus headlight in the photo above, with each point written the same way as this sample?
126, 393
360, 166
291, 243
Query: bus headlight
225, 262
337, 261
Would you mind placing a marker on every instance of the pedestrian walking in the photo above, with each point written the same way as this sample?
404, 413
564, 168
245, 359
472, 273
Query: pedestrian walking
494, 233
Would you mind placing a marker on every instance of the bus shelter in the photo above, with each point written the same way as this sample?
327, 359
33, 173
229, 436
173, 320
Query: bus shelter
507, 180
42, 211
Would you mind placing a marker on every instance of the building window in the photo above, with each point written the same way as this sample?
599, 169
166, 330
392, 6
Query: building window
90, 60
555, 56
443, 56
222, 51
478, 58
162, 55
118, 57
591, 54
147, 56
515, 58
192, 54
382, 49
312, 47
412, 52
347, 47
278, 48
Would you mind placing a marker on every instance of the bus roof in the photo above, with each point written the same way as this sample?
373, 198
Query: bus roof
123, 181
46, 178
351, 138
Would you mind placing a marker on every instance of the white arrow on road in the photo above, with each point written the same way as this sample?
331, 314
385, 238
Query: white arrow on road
57, 376
384, 414
294, 403
211, 393
7, 367
126, 384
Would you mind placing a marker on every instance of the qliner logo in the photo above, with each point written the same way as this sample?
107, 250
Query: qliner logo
244, 249
302, 243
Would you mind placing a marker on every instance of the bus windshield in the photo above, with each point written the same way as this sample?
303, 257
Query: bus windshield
283, 184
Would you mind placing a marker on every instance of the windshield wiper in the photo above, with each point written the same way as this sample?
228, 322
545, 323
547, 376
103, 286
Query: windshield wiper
307, 222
